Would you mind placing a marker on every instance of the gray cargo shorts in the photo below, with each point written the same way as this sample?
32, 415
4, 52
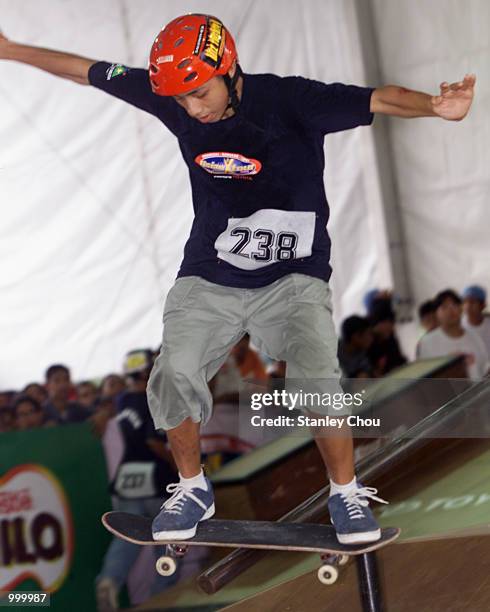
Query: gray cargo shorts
289, 320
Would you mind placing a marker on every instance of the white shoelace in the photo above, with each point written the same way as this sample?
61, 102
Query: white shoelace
358, 498
175, 503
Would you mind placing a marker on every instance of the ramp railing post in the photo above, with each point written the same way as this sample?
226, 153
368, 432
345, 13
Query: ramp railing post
369, 585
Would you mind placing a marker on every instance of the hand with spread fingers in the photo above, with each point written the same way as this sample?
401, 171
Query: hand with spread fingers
454, 101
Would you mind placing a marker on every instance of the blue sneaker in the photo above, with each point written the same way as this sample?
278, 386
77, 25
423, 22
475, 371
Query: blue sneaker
181, 513
352, 518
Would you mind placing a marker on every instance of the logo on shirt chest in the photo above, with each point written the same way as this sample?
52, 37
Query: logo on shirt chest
228, 165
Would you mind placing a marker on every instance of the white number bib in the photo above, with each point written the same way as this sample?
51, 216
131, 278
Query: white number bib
266, 237
135, 480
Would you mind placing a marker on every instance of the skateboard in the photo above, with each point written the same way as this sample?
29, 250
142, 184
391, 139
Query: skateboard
269, 535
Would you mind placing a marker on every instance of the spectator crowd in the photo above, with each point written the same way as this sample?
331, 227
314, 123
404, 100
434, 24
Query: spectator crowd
450, 324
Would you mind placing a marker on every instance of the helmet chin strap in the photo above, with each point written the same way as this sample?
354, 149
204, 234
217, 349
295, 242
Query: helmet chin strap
233, 100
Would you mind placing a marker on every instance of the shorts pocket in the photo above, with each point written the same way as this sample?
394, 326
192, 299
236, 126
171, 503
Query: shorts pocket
311, 290
177, 296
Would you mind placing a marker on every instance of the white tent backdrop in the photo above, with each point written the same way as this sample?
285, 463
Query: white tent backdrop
95, 199
442, 169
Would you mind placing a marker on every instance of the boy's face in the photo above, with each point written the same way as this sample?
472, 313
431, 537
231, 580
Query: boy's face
362, 340
87, 394
27, 416
112, 386
429, 321
36, 391
473, 307
384, 329
449, 312
208, 103
59, 385
6, 420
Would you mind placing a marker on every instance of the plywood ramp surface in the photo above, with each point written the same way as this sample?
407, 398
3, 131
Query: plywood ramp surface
436, 576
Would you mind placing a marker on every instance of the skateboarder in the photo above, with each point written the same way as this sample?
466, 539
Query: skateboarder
257, 259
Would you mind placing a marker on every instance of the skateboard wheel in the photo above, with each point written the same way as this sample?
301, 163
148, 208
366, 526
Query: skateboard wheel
343, 560
328, 574
166, 566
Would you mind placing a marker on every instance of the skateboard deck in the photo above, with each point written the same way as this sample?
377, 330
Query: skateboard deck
270, 535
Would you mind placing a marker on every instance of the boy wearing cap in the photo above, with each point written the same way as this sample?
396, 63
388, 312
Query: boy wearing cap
257, 259
474, 303
144, 467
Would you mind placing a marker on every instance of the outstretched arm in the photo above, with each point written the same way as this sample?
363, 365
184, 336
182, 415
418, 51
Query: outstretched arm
453, 102
65, 65
131, 85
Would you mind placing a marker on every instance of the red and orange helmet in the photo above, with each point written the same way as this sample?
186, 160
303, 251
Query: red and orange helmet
189, 51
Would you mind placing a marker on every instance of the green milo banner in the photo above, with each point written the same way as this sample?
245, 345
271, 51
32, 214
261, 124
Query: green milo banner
53, 490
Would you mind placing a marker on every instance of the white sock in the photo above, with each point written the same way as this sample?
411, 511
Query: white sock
196, 481
345, 488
